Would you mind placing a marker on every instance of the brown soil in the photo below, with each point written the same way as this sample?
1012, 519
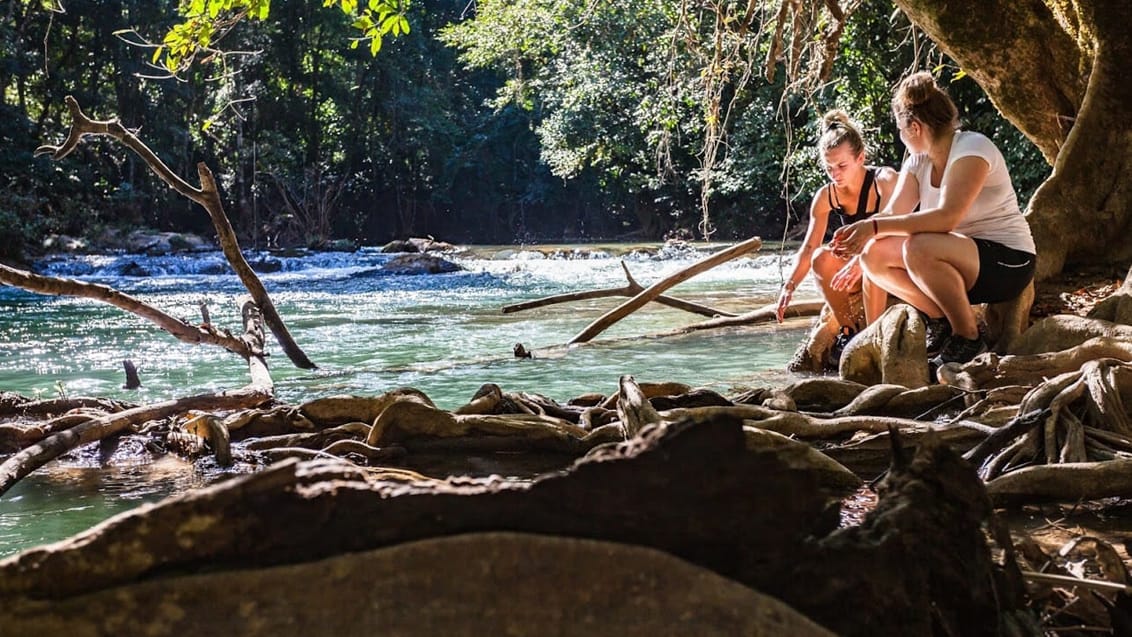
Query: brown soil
1075, 292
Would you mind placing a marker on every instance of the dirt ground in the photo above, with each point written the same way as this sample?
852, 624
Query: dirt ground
1075, 292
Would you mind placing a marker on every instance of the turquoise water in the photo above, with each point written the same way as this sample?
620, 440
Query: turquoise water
368, 332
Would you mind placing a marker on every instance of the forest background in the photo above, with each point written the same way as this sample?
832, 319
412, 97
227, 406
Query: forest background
488, 122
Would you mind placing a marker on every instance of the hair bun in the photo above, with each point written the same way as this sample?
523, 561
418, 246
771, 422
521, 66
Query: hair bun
835, 118
919, 88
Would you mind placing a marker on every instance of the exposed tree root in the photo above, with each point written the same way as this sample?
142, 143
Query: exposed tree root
1073, 418
35, 456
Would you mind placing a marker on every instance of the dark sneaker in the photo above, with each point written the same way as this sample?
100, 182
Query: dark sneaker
844, 335
938, 331
959, 350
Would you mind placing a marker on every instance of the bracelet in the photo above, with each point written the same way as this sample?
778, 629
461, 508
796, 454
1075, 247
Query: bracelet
876, 230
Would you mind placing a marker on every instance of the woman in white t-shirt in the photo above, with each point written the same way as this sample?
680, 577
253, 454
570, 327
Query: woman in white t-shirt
967, 242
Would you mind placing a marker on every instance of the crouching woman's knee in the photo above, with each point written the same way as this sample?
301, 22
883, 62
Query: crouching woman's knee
823, 259
882, 253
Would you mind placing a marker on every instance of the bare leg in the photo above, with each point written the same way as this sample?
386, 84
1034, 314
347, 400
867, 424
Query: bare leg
883, 263
825, 265
875, 299
944, 267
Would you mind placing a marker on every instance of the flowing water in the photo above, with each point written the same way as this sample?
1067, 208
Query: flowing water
368, 331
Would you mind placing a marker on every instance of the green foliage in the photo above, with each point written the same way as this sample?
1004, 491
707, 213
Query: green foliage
527, 120
205, 22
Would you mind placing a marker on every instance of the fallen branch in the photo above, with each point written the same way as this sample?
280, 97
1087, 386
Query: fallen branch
656, 289
180, 329
632, 288
764, 314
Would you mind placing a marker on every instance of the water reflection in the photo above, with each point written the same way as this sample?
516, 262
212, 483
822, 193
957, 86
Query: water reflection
58, 501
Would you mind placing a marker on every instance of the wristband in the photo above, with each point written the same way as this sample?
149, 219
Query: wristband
876, 230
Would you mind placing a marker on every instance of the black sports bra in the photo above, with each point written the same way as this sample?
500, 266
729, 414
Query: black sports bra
836, 208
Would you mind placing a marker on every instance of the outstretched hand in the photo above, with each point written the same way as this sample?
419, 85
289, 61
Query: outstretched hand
783, 303
848, 276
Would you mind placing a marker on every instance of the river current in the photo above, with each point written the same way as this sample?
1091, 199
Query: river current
369, 331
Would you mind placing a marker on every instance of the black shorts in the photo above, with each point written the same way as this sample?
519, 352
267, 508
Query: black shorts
1003, 272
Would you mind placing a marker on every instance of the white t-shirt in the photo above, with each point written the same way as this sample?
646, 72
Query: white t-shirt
994, 214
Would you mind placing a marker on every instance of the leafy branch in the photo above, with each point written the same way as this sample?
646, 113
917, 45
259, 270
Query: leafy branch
206, 22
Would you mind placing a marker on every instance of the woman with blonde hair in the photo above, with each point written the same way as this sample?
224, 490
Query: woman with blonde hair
967, 242
855, 191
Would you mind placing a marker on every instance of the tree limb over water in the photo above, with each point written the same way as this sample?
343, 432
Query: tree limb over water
207, 196
179, 328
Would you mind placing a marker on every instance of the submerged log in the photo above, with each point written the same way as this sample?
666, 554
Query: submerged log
764, 314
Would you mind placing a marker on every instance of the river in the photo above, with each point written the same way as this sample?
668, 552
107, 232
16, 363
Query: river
368, 331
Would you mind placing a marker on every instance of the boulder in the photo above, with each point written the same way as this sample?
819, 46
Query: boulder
417, 263
418, 244
494, 583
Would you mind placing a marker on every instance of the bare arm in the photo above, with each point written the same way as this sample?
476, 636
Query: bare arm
815, 233
961, 184
905, 195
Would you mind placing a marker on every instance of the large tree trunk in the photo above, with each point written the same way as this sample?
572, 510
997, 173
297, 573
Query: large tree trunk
1054, 69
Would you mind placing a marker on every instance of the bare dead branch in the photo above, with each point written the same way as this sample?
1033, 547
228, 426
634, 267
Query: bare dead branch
207, 196
180, 329
655, 290
632, 288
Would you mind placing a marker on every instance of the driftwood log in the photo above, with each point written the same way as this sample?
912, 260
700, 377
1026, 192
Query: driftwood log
631, 288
